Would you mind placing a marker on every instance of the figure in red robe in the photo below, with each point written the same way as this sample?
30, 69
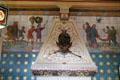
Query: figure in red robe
30, 33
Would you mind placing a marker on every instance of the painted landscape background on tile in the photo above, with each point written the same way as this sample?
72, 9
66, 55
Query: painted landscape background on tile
101, 34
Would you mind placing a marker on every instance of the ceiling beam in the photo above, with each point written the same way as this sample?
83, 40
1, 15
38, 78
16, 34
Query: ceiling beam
80, 5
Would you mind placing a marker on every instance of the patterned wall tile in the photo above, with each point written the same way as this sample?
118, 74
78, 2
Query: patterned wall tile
20, 69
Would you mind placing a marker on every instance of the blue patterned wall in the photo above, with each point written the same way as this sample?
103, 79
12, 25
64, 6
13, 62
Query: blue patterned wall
16, 65
108, 64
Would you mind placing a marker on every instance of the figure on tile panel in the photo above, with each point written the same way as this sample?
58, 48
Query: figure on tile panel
88, 33
39, 28
31, 30
109, 33
21, 33
38, 32
15, 30
12, 32
94, 35
113, 35
9, 35
30, 34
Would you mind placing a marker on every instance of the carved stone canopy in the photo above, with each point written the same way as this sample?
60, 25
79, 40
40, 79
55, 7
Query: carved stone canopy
49, 63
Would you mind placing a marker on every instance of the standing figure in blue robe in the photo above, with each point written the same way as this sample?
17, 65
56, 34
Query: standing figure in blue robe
94, 35
88, 33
